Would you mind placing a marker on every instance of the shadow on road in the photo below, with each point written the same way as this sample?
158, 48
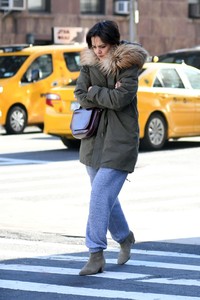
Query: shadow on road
41, 156
69, 154
177, 145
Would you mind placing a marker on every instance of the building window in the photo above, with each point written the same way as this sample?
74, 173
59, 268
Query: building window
39, 5
92, 7
194, 9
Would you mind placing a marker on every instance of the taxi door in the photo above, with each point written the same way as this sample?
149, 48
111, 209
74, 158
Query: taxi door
179, 101
193, 78
36, 82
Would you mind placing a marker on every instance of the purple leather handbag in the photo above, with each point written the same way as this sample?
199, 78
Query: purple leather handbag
84, 122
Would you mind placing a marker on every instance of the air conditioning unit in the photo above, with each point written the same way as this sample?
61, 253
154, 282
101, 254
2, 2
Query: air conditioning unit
194, 11
12, 5
122, 7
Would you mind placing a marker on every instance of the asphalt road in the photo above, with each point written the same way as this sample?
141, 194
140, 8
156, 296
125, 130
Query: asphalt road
44, 188
44, 195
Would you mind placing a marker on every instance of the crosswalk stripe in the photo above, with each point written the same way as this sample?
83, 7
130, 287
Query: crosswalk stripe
185, 282
146, 252
83, 247
154, 264
111, 275
164, 253
69, 271
101, 293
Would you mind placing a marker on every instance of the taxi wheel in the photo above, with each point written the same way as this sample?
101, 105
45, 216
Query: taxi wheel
69, 143
155, 133
16, 120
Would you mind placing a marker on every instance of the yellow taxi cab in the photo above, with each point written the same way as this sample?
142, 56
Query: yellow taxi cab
168, 104
27, 73
60, 103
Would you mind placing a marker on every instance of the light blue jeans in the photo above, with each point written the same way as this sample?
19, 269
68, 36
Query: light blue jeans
105, 212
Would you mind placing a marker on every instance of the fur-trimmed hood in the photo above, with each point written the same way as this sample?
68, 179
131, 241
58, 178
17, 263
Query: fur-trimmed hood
121, 57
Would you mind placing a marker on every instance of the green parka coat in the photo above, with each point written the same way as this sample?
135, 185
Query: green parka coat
117, 140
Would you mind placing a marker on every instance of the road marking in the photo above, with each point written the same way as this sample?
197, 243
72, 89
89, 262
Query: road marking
164, 253
101, 293
143, 252
144, 280
153, 264
118, 275
184, 282
111, 275
11, 241
69, 271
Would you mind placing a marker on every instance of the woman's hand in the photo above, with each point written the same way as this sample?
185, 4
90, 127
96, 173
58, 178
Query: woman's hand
117, 84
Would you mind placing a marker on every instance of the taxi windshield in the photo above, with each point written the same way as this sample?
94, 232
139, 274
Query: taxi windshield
10, 64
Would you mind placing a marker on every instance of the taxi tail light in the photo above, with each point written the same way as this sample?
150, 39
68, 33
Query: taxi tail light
50, 98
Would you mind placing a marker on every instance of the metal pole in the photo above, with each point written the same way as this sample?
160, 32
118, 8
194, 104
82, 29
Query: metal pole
133, 20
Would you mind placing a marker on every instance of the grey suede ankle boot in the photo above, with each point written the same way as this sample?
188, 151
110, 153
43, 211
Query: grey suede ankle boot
94, 265
125, 251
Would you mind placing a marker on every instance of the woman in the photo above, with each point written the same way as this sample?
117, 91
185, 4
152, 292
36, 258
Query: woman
109, 80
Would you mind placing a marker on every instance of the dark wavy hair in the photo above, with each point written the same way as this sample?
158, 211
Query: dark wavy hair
107, 31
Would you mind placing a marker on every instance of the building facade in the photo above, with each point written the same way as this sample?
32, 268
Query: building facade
163, 25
